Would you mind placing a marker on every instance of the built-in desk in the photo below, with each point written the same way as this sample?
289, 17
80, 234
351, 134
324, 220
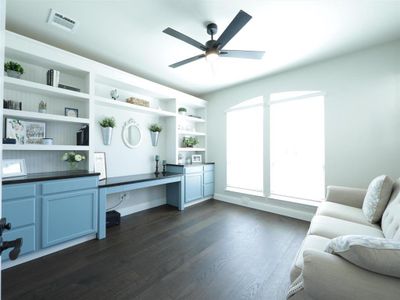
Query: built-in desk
173, 182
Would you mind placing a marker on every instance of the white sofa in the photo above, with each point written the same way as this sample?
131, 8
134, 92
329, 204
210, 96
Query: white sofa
330, 277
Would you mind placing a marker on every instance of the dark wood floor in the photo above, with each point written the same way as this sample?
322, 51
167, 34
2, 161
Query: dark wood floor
213, 250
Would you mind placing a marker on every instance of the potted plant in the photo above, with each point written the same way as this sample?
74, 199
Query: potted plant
107, 125
13, 69
155, 130
42, 107
189, 142
73, 159
182, 110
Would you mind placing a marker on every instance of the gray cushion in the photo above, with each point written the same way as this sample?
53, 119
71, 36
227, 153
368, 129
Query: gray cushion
377, 197
391, 216
378, 255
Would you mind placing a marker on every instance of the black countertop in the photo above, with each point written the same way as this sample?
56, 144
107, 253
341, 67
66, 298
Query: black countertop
48, 176
120, 180
192, 165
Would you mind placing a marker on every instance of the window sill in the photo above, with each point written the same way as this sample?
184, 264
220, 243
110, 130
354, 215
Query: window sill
246, 192
312, 203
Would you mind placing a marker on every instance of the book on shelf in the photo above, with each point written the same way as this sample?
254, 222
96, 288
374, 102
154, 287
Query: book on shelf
11, 104
53, 77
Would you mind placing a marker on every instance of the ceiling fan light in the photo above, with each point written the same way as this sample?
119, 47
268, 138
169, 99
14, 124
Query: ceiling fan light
212, 55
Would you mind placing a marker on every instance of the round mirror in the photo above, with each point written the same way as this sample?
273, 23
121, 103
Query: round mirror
131, 134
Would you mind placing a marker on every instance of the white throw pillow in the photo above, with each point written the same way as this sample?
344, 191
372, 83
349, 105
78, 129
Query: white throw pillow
377, 197
378, 255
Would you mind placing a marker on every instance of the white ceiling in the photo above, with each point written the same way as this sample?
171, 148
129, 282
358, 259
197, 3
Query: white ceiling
127, 34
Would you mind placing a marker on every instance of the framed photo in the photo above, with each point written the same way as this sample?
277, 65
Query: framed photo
25, 132
196, 159
100, 165
71, 112
13, 168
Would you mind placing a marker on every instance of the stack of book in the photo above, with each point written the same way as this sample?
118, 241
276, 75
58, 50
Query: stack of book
11, 104
53, 77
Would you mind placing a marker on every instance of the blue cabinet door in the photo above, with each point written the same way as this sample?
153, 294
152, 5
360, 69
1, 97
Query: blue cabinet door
67, 216
193, 187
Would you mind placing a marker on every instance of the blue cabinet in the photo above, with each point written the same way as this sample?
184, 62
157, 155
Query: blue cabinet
193, 186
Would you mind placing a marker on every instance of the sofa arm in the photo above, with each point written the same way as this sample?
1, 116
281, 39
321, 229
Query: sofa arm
345, 195
330, 277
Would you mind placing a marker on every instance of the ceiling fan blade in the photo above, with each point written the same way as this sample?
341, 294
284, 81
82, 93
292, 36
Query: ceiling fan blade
186, 61
233, 28
242, 54
184, 38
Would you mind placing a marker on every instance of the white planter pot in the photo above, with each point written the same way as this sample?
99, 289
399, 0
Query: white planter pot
107, 135
154, 138
14, 74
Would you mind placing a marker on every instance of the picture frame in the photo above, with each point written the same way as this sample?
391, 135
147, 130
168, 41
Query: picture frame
71, 112
13, 168
196, 159
25, 132
100, 165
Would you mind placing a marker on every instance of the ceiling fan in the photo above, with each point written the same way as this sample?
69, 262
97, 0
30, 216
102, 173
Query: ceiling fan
214, 48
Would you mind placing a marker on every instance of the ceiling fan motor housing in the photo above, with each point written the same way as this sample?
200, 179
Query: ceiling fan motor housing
212, 29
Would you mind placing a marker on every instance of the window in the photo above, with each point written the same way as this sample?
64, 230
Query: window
245, 163
297, 145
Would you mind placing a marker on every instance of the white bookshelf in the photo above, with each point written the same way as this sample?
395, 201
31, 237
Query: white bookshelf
43, 117
194, 149
191, 133
37, 147
190, 119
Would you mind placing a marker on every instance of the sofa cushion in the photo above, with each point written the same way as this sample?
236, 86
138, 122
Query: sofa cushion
377, 197
311, 242
378, 255
344, 212
331, 227
391, 216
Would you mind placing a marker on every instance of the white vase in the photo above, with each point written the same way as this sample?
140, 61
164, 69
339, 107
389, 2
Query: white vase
14, 74
154, 138
107, 135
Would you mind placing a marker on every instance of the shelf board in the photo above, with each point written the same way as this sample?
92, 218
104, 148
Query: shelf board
45, 117
30, 86
190, 119
185, 132
123, 105
191, 149
36, 147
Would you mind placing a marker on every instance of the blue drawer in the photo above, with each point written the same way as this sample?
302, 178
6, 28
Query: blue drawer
209, 167
15, 191
20, 212
28, 240
194, 169
208, 177
208, 189
67, 185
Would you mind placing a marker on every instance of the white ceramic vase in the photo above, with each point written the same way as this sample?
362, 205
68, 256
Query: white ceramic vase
107, 135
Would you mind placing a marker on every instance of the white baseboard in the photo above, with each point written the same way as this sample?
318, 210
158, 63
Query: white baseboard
28, 257
276, 209
124, 211
197, 201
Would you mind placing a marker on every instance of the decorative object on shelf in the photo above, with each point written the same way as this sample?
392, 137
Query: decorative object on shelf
164, 167
13, 69
194, 116
114, 94
190, 141
131, 134
180, 159
182, 111
9, 141
67, 87
82, 136
188, 161
71, 112
42, 107
11, 104
53, 77
137, 101
47, 141
155, 130
157, 159
13, 168
25, 132
100, 165
73, 159
107, 125
196, 159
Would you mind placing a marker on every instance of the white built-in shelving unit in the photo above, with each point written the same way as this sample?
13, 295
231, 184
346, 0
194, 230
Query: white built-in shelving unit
95, 82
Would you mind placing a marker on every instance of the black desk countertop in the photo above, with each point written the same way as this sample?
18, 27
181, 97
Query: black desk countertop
120, 180
48, 176
192, 165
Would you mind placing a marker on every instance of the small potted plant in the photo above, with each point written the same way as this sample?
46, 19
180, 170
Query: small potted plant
155, 130
42, 107
107, 125
73, 159
190, 142
182, 111
13, 69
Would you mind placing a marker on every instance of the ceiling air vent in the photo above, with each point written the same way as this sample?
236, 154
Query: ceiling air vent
61, 21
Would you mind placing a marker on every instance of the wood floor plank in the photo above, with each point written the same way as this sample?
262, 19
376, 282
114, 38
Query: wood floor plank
213, 250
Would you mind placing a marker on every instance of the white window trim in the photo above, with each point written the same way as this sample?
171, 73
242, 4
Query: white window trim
244, 191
